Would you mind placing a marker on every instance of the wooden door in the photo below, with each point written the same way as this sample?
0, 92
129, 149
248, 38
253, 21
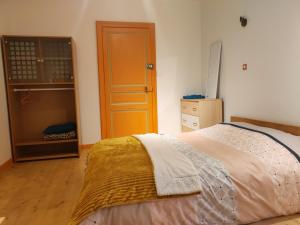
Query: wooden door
126, 59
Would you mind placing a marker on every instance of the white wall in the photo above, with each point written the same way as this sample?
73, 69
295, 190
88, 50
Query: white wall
178, 36
270, 44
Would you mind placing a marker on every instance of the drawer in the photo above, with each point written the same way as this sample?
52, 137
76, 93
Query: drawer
186, 129
190, 107
190, 121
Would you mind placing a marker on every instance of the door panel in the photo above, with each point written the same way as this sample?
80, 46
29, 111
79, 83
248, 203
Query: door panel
127, 54
128, 96
133, 122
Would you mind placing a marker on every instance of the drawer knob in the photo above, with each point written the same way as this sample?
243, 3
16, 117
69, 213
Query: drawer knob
194, 108
195, 124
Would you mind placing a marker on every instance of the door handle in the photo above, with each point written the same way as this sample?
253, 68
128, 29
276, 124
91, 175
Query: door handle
147, 89
149, 66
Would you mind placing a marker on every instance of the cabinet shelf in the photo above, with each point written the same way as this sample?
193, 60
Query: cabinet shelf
44, 157
45, 142
57, 58
42, 89
45, 83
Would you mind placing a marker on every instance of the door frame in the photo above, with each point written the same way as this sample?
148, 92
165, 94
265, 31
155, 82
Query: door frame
100, 25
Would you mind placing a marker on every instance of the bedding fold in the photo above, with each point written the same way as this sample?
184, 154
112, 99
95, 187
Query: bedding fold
174, 172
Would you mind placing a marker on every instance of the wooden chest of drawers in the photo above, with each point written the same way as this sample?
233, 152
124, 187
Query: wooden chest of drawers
197, 114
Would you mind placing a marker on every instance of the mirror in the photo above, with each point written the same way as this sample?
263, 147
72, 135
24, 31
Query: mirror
213, 70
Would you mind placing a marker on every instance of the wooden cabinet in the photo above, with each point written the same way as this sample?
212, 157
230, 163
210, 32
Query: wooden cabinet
41, 91
197, 114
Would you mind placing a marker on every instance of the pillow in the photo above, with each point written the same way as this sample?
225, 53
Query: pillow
288, 139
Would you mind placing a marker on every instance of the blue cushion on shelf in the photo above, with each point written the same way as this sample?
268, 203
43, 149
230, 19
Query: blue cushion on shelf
193, 97
60, 128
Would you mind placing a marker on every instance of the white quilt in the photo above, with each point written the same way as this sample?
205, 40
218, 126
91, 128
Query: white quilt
174, 172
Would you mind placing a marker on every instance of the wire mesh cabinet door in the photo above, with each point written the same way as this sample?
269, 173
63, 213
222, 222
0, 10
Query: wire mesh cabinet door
57, 59
22, 57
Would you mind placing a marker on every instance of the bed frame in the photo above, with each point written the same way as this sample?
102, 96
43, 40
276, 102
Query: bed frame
286, 128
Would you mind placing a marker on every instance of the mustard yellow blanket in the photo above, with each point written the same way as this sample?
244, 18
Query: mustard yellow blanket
110, 180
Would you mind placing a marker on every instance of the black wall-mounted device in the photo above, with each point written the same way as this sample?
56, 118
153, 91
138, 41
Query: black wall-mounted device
243, 21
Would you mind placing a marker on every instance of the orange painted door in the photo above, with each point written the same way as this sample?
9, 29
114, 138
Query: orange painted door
127, 78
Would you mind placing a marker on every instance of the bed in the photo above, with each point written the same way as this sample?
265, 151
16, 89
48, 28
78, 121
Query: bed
232, 173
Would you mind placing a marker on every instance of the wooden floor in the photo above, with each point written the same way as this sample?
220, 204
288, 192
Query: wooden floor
44, 193
40, 193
